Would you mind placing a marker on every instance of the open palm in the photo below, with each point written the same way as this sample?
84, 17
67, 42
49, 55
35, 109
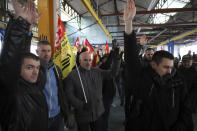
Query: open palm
143, 40
28, 12
129, 10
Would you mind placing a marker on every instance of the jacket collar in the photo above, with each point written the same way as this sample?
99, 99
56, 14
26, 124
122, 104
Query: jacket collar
47, 65
165, 80
28, 84
83, 70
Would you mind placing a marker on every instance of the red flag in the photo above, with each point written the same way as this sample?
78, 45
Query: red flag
107, 47
77, 43
88, 47
96, 59
98, 53
59, 34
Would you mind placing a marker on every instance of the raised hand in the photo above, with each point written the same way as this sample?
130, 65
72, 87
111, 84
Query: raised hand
143, 40
28, 12
129, 14
129, 11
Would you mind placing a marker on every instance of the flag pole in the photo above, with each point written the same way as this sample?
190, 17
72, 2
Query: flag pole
82, 87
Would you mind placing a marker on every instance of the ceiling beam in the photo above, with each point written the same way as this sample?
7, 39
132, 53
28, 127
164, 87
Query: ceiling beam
182, 35
155, 25
136, 5
168, 10
98, 6
95, 7
64, 4
154, 37
102, 4
116, 11
119, 39
117, 36
116, 32
144, 30
95, 16
153, 34
154, 30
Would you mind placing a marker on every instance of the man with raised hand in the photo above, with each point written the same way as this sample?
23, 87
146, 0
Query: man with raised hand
189, 73
159, 95
22, 104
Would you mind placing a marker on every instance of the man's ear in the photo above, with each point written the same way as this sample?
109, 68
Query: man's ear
153, 64
79, 60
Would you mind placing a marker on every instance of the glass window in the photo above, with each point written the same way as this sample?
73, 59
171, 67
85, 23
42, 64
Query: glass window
163, 18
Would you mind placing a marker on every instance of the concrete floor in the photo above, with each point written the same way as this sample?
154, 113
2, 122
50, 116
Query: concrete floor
117, 116
195, 121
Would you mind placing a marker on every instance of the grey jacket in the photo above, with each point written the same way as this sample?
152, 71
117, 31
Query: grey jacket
92, 81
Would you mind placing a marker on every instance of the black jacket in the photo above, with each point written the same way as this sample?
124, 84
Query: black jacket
109, 89
158, 104
92, 81
22, 105
145, 62
32, 113
190, 75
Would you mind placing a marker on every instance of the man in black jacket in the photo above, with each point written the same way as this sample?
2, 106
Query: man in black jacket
108, 90
189, 73
146, 60
159, 95
22, 104
84, 92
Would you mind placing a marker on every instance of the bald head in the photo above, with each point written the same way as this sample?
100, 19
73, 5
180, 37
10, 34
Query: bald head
85, 60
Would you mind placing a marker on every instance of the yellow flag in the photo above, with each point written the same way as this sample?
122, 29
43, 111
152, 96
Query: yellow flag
63, 54
64, 57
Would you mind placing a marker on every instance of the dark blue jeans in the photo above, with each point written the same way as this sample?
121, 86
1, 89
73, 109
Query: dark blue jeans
56, 123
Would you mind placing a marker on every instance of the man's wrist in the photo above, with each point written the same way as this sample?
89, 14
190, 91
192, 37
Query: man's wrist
128, 27
23, 23
21, 19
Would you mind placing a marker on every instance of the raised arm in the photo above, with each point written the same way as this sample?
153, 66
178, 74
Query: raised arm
131, 47
113, 65
129, 14
132, 61
15, 41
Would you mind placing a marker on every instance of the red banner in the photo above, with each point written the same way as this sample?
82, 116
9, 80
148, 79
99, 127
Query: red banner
107, 47
88, 47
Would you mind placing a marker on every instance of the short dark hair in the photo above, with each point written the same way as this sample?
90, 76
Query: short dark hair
148, 49
43, 42
30, 56
159, 55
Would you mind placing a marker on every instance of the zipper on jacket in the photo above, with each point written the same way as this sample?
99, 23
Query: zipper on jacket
57, 72
51, 94
151, 90
173, 98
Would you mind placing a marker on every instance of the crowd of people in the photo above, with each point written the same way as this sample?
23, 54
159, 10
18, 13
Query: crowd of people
157, 92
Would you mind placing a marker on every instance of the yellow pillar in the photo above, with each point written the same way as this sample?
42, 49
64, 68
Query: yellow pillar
46, 22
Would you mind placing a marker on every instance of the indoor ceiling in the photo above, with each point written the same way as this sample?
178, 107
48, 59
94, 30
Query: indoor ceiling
167, 25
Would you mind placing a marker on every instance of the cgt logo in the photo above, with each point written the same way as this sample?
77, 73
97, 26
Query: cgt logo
88, 49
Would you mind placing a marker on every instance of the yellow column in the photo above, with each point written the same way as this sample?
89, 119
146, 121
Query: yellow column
46, 22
